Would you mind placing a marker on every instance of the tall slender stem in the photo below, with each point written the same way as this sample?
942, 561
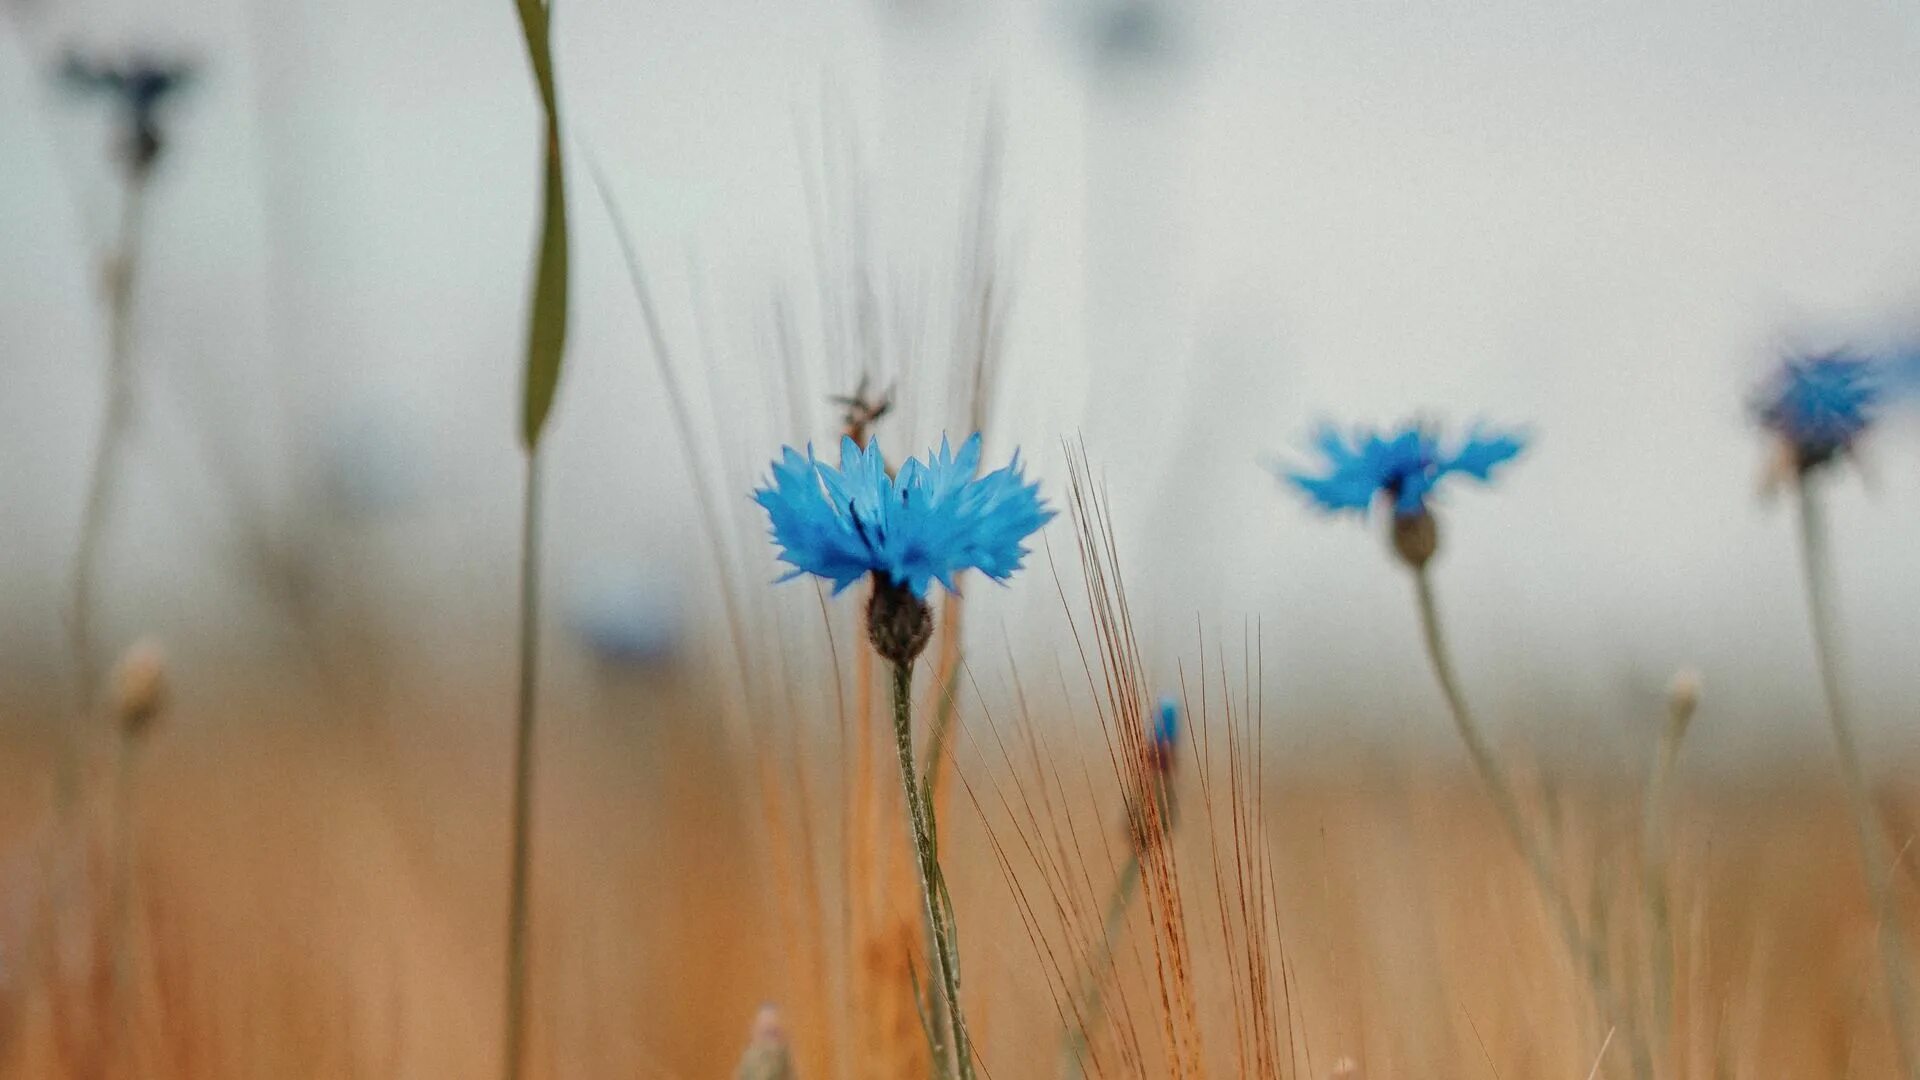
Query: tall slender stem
523, 747
933, 889
102, 479
1817, 571
1091, 1000
1500, 791
1656, 825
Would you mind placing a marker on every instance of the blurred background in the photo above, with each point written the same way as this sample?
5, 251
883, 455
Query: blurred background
1186, 232
1221, 223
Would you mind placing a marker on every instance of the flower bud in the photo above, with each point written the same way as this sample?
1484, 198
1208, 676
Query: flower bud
898, 623
1683, 697
1416, 537
767, 1056
139, 687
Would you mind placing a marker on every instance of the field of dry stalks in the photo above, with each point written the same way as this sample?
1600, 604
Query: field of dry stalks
317, 899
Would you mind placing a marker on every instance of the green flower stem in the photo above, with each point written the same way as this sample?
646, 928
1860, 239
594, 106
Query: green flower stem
933, 888
523, 747
1500, 791
1092, 996
1816, 568
1093, 985
1656, 829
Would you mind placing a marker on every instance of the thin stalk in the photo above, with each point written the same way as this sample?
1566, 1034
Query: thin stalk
103, 473
522, 838
939, 737
1092, 994
102, 479
933, 888
1656, 830
1816, 568
1500, 791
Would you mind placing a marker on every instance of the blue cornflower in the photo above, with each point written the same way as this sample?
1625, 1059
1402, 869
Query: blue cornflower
140, 83
1819, 405
1165, 736
1404, 467
929, 523
1166, 725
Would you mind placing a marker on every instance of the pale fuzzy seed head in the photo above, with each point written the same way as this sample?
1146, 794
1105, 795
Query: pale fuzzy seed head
767, 1057
1346, 1069
139, 686
1683, 697
767, 1025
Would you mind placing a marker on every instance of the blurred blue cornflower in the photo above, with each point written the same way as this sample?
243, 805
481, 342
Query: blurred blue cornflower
626, 611
140, 84
1166, 725
1165, 736
1404, 467
929, 523
1820, 405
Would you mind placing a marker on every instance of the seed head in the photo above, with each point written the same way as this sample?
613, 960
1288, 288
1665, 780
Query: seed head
139, 687
767, 1056
899, 624
1416, 538
1683, 697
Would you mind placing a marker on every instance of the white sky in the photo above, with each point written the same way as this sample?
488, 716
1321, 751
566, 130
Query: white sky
1596, 220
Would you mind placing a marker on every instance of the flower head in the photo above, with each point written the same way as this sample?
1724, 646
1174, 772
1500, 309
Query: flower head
1819, 405
140, 687
930, 522
140, 83
1404, 467
1164, 738
1166, 724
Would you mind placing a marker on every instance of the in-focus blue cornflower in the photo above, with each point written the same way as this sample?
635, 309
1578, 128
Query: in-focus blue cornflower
930, 522
1404, 467
1819, 405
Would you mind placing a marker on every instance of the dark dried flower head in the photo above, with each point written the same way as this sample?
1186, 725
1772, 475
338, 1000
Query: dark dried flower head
140, 84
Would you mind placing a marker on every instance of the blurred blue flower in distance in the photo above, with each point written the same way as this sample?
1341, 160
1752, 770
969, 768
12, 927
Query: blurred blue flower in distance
626, 611
1164, 738
1166, 724
1405, 467
140, 83
1819, 405
930, 522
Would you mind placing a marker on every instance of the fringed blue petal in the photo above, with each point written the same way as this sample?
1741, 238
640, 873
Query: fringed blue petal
1822, 404
931, 522
1403, 468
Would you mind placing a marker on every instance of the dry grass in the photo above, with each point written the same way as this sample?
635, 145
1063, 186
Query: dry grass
313, 906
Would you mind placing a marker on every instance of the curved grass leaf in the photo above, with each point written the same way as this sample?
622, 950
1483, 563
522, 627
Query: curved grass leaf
547, 321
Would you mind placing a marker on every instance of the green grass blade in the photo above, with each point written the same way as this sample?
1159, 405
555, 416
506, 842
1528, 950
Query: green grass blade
547, 321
